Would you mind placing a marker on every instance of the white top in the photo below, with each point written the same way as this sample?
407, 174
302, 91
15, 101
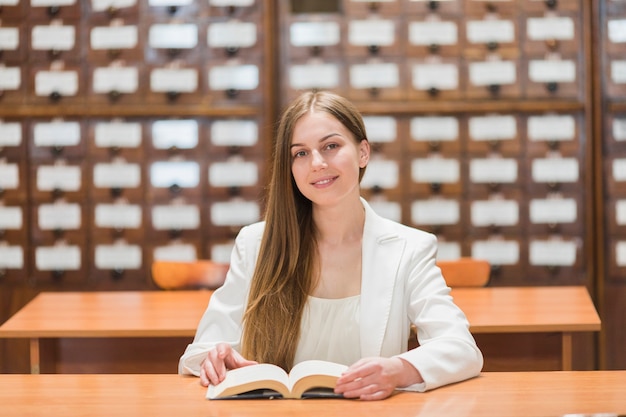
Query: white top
329, 330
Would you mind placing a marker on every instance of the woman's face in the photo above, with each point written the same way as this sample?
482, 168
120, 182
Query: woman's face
326, 159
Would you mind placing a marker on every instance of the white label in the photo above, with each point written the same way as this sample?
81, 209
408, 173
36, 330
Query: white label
553, 210
620, 212
182, 134
496, 251
56, 133
617, 30
10, 78
620, 253
184, 80
435, 128
433, 33
492, 72
221, 252
552, 252
120, 79
384, 75
53, 37
11, 257
66, 178
113, 175
232, 34
62, 82
62, 257
493, 170
542, 71
104, 5
9, 39
549, 28
436, 212
234, 133
619, 169
118, 216
47, 3
182, 174
118, 256
11, 218
380, 129
435, 170
448, 250
303, 34
234, 213
485, 31
310, 76
494, 212
233, 174
9, 176
381, 173
238, 77
492, 127
62, 216
551, 127
117, 134
388, 209
176, 217
371, 32
555, 170
440, 76
10, 133
114, 37
182, 252
235, 3
618, 72
619, 129
174, 36
165, 3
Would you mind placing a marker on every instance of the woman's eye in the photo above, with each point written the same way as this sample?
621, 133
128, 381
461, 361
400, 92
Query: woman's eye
332, 146
299, 154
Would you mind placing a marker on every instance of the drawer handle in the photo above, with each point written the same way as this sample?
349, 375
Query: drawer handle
54, 10
552, 87
172, 95
434, 48
433, 5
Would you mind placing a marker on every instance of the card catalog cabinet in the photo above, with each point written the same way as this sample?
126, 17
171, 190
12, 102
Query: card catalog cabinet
122, 125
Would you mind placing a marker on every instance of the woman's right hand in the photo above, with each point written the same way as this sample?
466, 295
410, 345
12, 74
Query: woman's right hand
219, 360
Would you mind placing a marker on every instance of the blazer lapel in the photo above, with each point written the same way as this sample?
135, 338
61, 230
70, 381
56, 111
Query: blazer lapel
382, 251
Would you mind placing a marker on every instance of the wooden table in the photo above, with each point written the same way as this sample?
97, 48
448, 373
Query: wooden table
176, 313
497, 394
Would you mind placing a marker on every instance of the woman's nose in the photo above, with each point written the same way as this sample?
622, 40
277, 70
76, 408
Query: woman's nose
317, 160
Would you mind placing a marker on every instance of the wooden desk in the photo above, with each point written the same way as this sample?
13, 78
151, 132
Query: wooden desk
497, 394
177, 313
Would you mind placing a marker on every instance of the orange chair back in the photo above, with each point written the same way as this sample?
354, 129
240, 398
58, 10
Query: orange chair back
175, 275
465, 272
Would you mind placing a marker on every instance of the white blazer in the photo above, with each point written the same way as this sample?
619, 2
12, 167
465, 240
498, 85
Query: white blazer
400, 285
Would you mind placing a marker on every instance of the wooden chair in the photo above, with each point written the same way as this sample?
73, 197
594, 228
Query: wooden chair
176, 275
465, 272
462, 272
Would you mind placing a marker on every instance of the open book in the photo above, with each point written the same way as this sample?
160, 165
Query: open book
307, 379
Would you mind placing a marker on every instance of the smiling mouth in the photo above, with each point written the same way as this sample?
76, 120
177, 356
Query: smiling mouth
325, 181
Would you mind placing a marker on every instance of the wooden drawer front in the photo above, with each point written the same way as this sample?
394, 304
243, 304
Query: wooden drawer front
556, 260
227, 217
51, 10
556, 213
57, 138
494, 174
615, 77
234, 137
118, 263
174, 83
365, 7
13, 10
232, 82
615, 174
442, 37
555, 173
118, 219
497, 214
116, 84
435, 78
376, 79
58, 180
507, 256
616, 259
493, 78
387, 206
550, 6
614, 37
219, 249
116, 138
552, 34
493, 35
227, 38
13, 182
114, 40
385, 175
176, 220
615, 133
175, 138
13, 43
386, 134
553, 78
551, 132
436, 134
60, 263
178, 9
58, 220
52, 41
314, 74
373, 37
113, 9
440, 215
314, 36
236, 177
491, 7
493, 134
14, 224
118, 178
175, 178
178, 40
437, 7
236, 9
13, 83
58, 83
14, 265
12, 139
436, 175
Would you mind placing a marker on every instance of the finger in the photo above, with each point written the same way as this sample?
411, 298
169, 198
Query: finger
204, 379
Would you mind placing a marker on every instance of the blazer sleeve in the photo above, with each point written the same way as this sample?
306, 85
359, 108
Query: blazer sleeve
447, 350
221, 321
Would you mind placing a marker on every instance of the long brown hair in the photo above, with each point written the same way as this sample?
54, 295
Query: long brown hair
283, 277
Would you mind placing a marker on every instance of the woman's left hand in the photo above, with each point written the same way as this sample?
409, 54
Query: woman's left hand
376, 378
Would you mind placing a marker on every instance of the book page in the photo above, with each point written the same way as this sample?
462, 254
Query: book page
314, 374
247, 378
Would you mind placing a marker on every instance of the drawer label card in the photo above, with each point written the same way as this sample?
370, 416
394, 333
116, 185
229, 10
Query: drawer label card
185, 174
118, 216
497, 251
10, 132
493, 127
104, 5
492, 72
485, 31
543, 71
234, 174
50, 37
167, 217
493, 170
381, 129
122, 175
309, 76
234, 133
58, 257
435, 128
120, 79
553, 210
381, 173
9, 38
62, 82
433, 33
496, 212
552, 252
174, 36
11, 257
435, 170
238, 77
437, 212
440, 76
66, 178
303, 34
550, 28
232, 34
184, 80
57, 133
182, 134
9, 176
234, 213
116, 256
371, 32
64, 216
555, 170
117, 134
383, 75
551, 128
11, 218
114, 37
10, 78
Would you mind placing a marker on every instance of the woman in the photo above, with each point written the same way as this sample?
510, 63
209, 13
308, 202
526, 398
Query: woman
324, 277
